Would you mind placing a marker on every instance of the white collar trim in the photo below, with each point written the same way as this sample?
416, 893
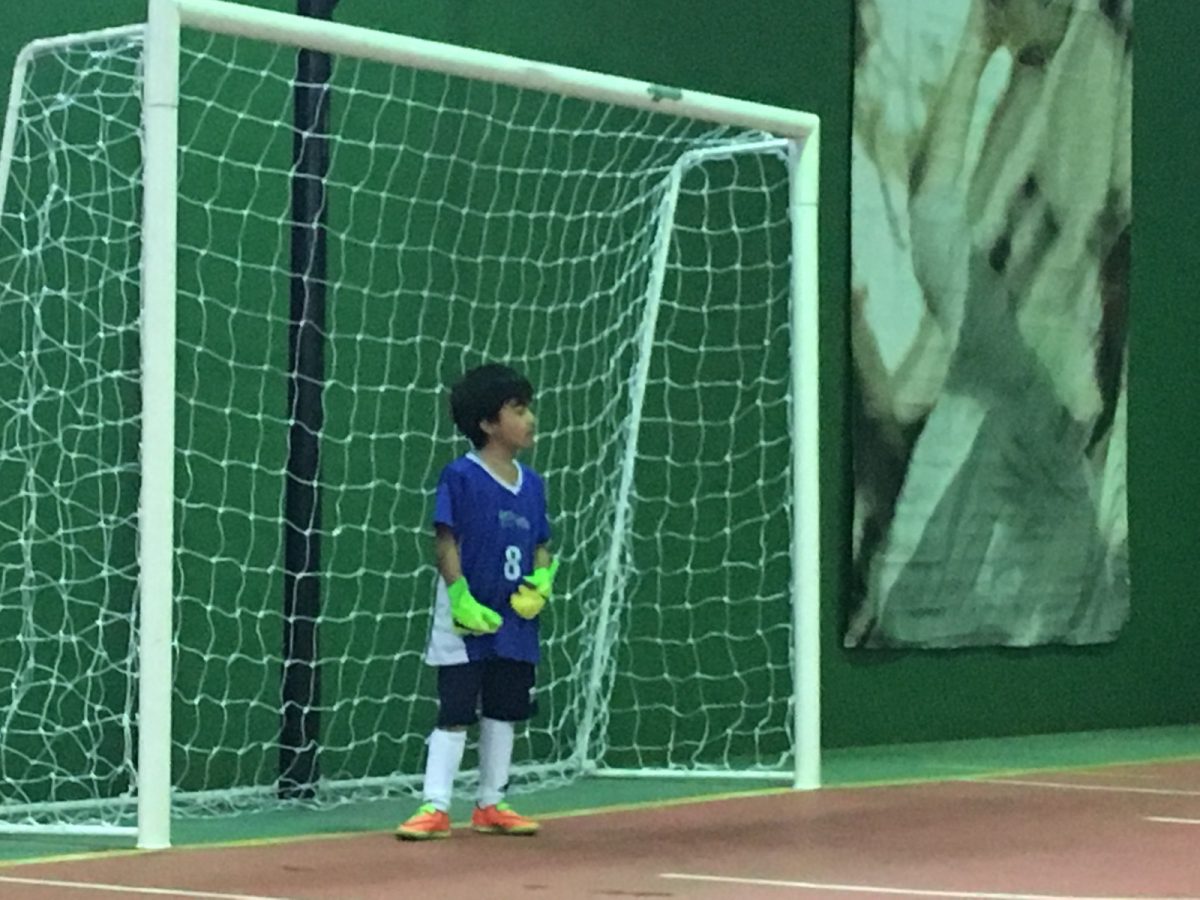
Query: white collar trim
511, 488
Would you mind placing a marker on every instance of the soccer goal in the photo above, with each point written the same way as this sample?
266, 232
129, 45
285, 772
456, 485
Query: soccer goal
242, 253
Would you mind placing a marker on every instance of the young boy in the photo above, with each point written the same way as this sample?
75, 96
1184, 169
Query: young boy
491, 533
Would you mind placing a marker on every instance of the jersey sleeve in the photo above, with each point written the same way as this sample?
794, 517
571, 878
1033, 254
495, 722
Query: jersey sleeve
447, 500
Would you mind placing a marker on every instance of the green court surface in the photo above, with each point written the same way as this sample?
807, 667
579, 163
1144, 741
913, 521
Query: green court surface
849, 767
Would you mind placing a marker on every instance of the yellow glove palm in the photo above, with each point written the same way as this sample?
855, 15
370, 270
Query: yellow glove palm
529, 599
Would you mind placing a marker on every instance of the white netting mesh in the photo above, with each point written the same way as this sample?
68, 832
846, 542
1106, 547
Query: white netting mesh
467, 222
69, 410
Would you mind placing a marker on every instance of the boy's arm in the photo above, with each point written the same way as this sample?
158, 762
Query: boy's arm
541, 557
446, 547
470, 616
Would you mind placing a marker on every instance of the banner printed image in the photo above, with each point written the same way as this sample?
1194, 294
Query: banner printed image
991, 221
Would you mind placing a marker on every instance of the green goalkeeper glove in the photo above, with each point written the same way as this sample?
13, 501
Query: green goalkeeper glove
470, 616
530, 597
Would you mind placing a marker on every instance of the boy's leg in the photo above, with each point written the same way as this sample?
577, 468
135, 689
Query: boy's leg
495, 759
458, 699
441, 765
507, 698
458, 704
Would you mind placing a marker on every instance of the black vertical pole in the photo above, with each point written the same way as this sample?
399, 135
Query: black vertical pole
299, 767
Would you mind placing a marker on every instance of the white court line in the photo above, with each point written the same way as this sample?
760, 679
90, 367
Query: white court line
1071, 786
1171, 821
130, 889
906, 892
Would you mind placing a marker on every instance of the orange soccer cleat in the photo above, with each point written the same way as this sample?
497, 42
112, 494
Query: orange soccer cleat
427, 823
502, 819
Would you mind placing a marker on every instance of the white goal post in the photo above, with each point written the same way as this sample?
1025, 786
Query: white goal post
659, 253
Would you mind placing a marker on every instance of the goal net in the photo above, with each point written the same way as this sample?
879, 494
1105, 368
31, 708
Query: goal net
638, 265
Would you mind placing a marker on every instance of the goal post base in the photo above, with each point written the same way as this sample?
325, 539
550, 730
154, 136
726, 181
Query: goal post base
779, 775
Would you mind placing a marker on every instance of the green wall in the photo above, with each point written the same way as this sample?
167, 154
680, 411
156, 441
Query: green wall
799, 54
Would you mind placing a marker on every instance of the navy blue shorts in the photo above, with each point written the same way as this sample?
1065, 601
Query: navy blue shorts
501, 688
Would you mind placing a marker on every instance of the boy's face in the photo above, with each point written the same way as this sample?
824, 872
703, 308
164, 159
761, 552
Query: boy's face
514, 428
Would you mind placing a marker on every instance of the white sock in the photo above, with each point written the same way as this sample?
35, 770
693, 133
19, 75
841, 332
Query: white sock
445, 756
495, 757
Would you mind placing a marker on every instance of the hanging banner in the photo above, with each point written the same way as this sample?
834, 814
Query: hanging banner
991, 245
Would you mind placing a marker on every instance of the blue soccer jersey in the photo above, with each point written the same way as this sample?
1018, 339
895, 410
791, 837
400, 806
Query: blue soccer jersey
498, 527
